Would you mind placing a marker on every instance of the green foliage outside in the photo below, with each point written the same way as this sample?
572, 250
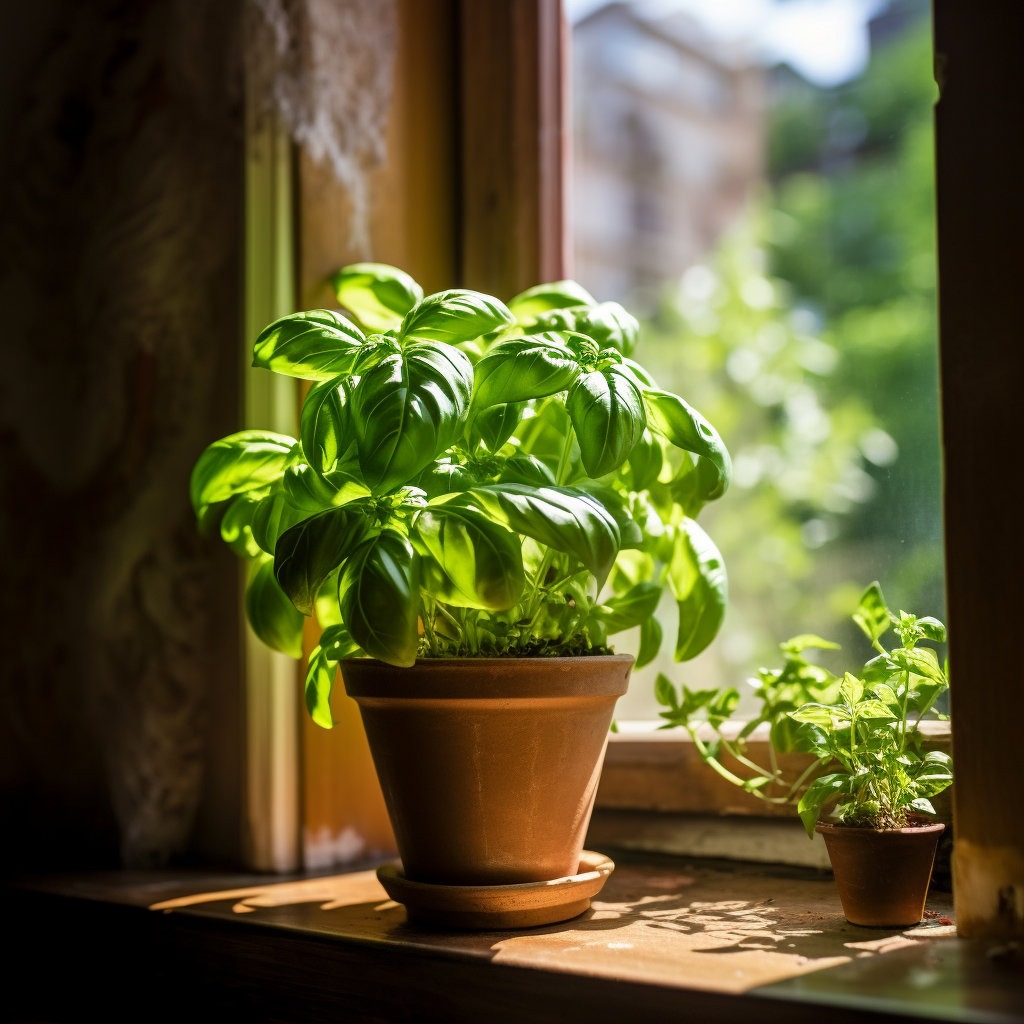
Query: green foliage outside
811, 341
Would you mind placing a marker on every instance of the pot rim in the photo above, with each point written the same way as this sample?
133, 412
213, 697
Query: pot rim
832, 828
598, 676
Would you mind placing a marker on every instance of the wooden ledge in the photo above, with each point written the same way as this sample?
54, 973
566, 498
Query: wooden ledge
665, 937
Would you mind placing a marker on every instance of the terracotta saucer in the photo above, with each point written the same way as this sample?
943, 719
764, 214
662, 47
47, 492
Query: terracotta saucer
523, 905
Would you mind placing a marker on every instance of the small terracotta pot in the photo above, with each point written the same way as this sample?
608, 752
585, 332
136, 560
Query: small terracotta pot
882, 875
489, 766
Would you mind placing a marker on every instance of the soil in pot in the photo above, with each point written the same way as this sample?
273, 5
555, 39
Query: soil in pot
882, 875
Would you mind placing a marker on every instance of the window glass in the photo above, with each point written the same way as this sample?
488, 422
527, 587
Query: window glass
754, 180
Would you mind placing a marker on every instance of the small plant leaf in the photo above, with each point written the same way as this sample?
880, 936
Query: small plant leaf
818, 794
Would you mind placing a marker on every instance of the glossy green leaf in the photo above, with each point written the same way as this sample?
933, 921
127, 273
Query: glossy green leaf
564, 518
325, 429
379, 596
246, 461
493, 426
377, 295
455, 316
310, 551
608, 416
645, 462
409, 409
700, 585
541, 298
610, 325
481, 563
272, 616
524, 368
236, 526
272, 517
315, 345
684, 427
321, 675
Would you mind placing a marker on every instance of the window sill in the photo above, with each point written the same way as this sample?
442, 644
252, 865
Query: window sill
665, 936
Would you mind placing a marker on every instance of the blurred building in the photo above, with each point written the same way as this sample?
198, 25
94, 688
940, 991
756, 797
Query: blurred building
668, 146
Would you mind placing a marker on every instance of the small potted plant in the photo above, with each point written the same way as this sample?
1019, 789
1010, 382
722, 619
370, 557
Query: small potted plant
480, 496
868, 779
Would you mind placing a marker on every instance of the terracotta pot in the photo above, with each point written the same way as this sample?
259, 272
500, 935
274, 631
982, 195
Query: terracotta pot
882, 875
489, 766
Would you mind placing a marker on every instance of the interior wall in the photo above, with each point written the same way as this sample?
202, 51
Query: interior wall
120, 282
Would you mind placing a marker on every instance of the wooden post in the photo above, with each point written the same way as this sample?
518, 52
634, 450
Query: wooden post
980, 165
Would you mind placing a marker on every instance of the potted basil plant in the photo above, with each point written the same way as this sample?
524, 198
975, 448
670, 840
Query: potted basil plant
863, 776
480, 496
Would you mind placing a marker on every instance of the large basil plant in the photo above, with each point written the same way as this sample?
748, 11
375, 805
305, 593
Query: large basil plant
470, 479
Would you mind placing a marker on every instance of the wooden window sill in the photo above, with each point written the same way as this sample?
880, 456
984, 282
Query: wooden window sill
666, 937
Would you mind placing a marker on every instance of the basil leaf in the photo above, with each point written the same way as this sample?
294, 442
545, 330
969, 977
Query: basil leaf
310, 551
407, 410
565, 518
670, 416
608, 416
541, 298
376, 294
315, 345
379, 597
454, 316
523, 368
325, 425
272, 616
699, 583
481, 562
246, 461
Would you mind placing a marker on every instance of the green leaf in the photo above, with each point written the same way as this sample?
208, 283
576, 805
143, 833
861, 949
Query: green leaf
324, 425
700, 585
524, 368
454, 316
610, 325
820, 792
819, 714
379, 594
873, 709
310, 551
665, 692
407, 410
651, 636
921, 661
314, 345
633, 608
851, 688
608, 416
481, 562
272, 616
377, 295
872, 615
246, 461
686, 428
493, 426
541, 298
321, 675
236, 526
564, 518
272, 516
645, 462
